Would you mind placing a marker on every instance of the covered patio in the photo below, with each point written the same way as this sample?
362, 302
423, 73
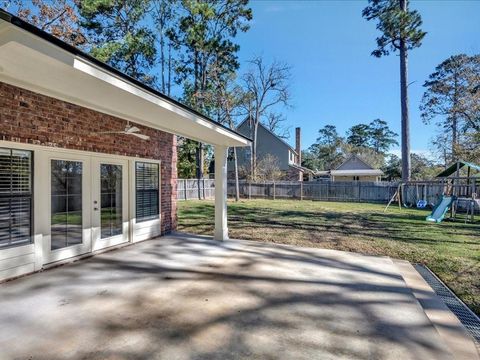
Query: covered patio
189, 297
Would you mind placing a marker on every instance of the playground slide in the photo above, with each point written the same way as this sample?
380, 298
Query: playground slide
440, 209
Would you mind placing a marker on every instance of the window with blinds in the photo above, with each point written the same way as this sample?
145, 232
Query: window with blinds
15, 197
146, 191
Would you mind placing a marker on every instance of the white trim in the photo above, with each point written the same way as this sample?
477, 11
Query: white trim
99, 73
221, 224
365, 172
145, 229
97, 241
50, 255
28, 146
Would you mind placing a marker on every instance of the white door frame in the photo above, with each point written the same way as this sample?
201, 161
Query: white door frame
97, 242
49, 255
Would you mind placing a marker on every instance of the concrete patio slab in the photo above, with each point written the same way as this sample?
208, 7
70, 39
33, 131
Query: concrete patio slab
187, 297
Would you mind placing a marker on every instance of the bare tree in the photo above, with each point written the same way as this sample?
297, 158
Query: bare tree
267, 86
227, 99
274, 123
268, 169
57, 17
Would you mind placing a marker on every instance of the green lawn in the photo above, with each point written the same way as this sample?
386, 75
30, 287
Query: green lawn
450, 249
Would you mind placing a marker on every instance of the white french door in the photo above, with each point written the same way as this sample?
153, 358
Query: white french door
87, 204
110, 218
67, 195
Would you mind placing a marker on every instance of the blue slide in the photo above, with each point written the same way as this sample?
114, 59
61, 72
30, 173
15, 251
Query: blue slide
439, 211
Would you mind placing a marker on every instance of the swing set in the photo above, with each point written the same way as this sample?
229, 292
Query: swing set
454, 194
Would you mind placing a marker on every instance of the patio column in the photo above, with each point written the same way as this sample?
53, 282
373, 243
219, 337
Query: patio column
221, 229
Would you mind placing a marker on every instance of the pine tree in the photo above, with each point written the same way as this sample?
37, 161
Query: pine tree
400, 31
204, 40
452, 100
381, 138
119, 36
358, 135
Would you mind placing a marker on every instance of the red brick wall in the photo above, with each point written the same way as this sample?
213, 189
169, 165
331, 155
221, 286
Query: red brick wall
32, 118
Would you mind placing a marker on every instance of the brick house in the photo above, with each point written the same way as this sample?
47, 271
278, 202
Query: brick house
87, 154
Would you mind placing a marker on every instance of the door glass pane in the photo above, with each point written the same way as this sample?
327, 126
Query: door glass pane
66, 201
111, 200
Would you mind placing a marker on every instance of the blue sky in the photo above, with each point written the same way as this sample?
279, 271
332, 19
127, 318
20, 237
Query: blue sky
335, 80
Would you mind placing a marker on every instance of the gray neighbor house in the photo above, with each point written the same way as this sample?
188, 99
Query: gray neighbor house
289, 158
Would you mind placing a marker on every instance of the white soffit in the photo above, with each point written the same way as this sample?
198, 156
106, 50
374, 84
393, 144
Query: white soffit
360, 172
30, 62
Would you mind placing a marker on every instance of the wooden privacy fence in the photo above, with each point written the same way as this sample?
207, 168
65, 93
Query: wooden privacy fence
189, 189
355, 191
326, 191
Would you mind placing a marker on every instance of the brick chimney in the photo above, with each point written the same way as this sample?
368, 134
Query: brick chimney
298, 145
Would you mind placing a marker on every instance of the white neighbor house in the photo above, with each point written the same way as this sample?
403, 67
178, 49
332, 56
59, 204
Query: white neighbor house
352, 169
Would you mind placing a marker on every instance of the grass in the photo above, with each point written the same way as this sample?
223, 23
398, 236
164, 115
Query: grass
450, 249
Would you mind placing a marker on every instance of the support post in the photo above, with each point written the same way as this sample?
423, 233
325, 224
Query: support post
221, 228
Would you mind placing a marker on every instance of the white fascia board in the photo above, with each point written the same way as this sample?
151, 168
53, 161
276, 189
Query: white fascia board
99, 73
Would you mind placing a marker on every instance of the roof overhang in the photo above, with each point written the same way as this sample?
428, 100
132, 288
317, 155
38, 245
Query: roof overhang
30, 61
360, 172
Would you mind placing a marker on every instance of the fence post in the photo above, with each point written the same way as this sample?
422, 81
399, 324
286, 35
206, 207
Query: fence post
274, 190
358, 189
301, 190
249, 190
185, 188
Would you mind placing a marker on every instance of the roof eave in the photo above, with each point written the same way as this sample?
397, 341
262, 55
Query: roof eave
60, 70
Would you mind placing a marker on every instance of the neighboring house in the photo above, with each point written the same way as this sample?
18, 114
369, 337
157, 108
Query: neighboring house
289, 159
72, 185
352, 169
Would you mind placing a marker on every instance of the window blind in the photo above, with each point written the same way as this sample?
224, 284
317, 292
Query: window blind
15, 197
146, 191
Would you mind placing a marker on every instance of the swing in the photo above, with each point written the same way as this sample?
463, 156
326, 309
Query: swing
422, 203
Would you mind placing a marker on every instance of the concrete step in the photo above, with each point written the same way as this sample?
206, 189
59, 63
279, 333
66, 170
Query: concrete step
449, 328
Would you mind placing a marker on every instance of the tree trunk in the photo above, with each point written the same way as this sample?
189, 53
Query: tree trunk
254, 151
199, 167
162, 59
406, 166
454, 118
169, 83
235, 166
